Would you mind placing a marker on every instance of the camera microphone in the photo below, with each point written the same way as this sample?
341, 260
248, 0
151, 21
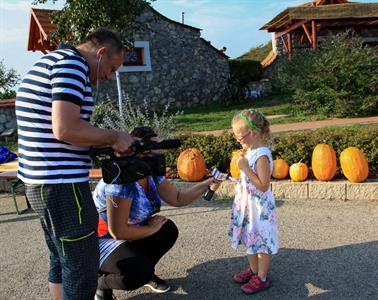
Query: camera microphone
219, 173
144, 145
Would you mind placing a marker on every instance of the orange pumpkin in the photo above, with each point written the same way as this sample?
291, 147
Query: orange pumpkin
280, 168
234, 169
324, 162
298, 171
191, 165
354, 164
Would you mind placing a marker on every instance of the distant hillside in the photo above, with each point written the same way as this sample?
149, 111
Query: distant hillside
258, 53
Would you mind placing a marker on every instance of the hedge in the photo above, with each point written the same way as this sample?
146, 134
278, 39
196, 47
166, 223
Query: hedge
292, 147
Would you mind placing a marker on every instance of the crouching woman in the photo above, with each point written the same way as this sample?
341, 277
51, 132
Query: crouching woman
133, 237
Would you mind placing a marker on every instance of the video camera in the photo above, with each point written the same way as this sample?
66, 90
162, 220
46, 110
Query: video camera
134, 166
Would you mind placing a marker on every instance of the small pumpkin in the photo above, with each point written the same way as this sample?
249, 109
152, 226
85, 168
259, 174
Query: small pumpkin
298, 171
354, 164
234, 169
191, 165
324, 162
280, 168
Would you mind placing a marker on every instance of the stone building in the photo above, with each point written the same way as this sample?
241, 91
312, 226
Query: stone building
170, 63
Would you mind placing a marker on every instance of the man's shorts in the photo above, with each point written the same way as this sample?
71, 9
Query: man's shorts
69, 219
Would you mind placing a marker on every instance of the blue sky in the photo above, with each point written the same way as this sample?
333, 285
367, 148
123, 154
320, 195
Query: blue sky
231, 23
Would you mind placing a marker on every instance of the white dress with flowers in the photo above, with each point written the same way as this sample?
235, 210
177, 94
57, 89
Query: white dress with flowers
253, 216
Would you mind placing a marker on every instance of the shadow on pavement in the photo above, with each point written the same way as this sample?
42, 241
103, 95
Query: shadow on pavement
347, 272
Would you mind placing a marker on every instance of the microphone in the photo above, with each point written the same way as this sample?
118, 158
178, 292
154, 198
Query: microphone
220, 172
138, 147
144, 145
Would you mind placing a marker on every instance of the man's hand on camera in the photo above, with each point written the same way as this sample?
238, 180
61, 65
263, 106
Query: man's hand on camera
156, 222
122, 145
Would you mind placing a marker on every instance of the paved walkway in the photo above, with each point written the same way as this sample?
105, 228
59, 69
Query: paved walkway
308, 125
328, 251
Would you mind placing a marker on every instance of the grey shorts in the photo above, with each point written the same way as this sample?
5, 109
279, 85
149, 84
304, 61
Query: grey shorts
69, 220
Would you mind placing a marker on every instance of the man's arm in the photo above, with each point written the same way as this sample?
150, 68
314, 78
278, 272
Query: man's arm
68, 127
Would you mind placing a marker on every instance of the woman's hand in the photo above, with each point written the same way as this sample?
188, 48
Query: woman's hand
156, 222
212, 183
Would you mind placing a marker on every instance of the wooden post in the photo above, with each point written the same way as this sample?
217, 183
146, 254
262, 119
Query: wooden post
314, 35
290, 45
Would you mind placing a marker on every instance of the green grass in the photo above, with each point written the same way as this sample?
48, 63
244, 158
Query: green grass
218, 116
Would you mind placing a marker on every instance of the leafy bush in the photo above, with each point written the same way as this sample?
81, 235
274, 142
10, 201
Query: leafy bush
292, 147
246, 67
107, 115
339, 79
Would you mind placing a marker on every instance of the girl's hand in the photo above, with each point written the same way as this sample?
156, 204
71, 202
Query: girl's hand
243, 163
156, 222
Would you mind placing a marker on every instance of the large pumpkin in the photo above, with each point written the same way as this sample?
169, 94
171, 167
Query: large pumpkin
298, 171
191, 165
234, 169
280, 168
323, 162
354, 164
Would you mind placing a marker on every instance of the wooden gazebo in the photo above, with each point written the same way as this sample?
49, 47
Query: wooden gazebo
301, 26
40, 29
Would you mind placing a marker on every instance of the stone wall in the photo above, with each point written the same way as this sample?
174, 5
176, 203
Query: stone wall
340, 190
186, 70
7, 115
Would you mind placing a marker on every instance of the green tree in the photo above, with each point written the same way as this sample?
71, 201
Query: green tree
78, 17
339, 79
8, 79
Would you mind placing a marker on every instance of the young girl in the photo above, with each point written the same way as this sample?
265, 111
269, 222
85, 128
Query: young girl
253, 218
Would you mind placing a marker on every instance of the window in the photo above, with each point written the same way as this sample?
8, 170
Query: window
134, 58
139, 59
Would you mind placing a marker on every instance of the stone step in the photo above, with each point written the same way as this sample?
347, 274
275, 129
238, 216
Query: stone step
311, 189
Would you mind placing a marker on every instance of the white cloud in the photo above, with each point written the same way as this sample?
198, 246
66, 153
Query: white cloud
13, 35
23, 5
190, 3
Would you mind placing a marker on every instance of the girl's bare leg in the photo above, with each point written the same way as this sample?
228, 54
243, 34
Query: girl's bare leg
263, 265
253, 262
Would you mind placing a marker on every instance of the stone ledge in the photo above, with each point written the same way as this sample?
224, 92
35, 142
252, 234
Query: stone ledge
286, 189
311, 189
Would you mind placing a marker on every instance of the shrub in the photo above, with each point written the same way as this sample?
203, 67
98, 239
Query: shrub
107, 115
292, 147
339, 79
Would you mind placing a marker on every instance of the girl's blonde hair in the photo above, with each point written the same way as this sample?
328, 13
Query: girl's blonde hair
252, 119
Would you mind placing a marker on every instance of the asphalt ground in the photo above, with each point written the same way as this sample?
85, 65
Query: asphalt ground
329, 250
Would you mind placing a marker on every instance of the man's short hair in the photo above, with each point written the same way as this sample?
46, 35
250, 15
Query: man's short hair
105, 37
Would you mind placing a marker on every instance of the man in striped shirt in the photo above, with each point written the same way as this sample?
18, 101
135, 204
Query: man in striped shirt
53, 108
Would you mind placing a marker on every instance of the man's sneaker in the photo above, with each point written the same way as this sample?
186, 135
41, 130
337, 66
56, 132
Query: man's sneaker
243, 276
104, 295
255, 285
158, 285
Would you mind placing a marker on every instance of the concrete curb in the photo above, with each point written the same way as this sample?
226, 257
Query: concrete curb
320, 190
286, 189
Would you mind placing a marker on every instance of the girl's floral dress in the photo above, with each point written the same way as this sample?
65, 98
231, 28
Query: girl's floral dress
253, 216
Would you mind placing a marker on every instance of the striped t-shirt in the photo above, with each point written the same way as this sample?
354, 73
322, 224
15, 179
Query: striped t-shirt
58, 75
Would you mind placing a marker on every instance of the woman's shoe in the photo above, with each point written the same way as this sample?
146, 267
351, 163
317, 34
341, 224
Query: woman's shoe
158, 285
